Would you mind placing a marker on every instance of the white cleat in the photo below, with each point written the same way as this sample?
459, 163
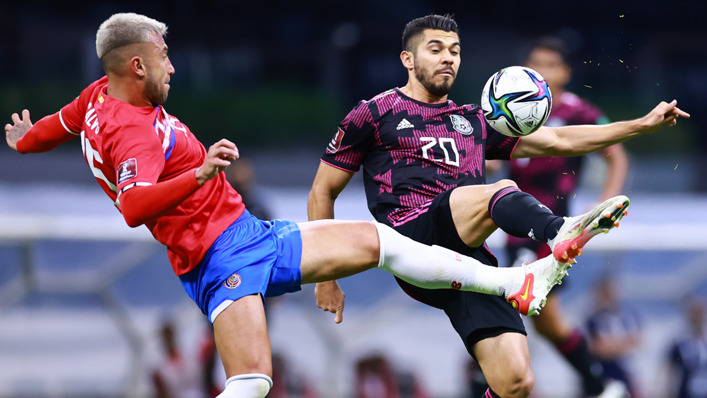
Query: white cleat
577, 231
540, 277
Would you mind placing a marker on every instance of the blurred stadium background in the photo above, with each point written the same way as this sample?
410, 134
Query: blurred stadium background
82, 296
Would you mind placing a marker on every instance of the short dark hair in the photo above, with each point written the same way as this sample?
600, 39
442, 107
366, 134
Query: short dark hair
551, 43
415, 28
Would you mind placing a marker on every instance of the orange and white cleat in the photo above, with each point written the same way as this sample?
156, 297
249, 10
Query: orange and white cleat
577, 231
540, 277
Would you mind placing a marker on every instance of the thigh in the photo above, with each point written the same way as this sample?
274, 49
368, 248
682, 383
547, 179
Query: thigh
333, 249
242, 340
470, 211
503, 359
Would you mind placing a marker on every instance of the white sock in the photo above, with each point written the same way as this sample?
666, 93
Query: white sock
251, 385
434, 267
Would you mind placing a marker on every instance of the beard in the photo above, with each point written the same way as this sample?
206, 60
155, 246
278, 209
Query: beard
155, 91
425, 77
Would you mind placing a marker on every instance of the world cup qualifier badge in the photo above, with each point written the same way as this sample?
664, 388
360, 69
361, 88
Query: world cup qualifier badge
232, 282
461, 124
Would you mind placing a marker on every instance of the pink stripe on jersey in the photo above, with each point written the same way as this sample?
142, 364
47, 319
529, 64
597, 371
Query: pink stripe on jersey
385, 181
353, 159
410, 214
514, 147
480, 115
503, 192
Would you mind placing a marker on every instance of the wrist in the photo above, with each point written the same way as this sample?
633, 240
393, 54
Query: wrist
200, 178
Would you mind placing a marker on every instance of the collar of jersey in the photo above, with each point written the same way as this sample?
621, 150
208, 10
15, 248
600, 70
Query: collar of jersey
437, 105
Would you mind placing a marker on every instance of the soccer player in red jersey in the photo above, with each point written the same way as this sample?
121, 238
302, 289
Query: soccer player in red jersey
158, 174
424, 175
552, 180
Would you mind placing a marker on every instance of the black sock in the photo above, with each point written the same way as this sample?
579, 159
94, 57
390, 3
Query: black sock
575, 350
491, 394
520, 214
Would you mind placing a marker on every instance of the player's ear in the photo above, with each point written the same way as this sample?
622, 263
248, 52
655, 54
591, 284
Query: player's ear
137, 66
408, 59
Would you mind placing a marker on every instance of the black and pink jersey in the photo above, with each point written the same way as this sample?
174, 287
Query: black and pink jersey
411, 151
552, 179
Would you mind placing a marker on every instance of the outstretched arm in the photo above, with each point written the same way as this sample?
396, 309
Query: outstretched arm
141, 204
43, 136
328, 184
580, 140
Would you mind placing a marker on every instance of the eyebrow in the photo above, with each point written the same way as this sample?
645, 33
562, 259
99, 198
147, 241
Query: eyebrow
434, 41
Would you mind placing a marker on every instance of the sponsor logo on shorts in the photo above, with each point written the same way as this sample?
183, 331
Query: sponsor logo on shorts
232, 282
456, 285
127, 170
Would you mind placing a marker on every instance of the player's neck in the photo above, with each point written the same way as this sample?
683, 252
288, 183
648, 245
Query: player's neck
127, 91
418, 92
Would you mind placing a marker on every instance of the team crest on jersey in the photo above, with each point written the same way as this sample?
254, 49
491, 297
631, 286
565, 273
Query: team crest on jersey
461, 124
232, 282
127, 170
335, 143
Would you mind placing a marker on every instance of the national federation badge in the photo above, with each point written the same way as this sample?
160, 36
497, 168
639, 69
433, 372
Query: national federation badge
461, 124
232, 282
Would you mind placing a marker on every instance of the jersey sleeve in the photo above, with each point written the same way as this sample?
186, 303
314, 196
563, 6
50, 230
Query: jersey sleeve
136, 155
499, 146
353, 139
73, 114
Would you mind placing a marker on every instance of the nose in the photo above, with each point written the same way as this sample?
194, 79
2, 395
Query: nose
170, 69
447, 58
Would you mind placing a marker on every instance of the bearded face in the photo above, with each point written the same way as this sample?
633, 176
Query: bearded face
437, 82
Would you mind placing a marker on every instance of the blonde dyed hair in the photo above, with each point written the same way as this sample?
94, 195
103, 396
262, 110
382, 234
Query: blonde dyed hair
126, 28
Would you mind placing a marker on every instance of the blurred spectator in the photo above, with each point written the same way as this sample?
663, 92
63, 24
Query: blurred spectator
688, 356
241, 175
175, 375
288, 383
613, 334
375, 378
214, 376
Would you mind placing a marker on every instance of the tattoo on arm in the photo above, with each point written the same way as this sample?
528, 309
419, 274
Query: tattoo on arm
17, 132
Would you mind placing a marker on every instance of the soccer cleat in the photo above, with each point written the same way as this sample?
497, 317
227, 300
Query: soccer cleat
576, 231
540, 277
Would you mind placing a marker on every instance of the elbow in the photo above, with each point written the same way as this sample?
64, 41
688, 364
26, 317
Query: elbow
132, 221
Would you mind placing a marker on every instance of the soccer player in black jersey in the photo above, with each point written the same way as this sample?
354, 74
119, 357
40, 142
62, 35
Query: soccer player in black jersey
424, 174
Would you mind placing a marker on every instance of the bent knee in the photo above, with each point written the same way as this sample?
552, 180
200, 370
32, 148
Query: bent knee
520, 385
516, 382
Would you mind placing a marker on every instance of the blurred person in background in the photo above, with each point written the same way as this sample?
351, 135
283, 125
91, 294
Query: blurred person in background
288, 382
424, 175
614, 333
688, 355
241, 175
553, 180
377, 378
176, 375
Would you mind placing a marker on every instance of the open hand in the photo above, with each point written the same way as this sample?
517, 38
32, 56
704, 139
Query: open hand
15, 131
220, 156
663, 115
330, 298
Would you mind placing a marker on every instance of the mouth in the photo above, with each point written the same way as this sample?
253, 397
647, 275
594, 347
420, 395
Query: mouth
446, 73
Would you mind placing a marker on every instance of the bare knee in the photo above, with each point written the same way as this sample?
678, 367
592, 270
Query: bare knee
519, 383
502, 184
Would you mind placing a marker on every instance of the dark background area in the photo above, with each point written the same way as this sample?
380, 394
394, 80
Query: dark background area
278, 75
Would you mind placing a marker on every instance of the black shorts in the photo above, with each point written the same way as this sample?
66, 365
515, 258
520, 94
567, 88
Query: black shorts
475, 316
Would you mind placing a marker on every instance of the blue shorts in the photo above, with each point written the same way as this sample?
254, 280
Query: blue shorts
249, 257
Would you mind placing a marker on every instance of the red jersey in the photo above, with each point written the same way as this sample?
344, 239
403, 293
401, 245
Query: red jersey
127, 146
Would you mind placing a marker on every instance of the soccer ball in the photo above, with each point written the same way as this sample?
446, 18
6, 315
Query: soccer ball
516, 101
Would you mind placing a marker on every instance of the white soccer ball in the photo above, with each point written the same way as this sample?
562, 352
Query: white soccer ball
516, 101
